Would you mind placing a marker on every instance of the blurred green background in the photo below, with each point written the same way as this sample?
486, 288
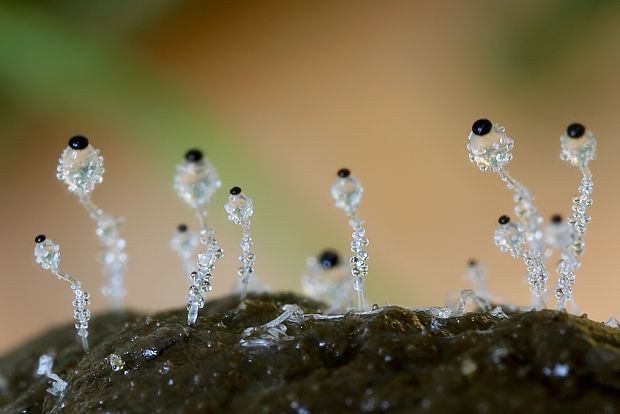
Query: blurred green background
279, 95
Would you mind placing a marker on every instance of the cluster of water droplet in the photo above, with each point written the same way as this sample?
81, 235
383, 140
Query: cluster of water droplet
47, 255
488, 145
202, 277
490, 149
510, 237
80, 167
81, 313
46, 363
347, 193
116, 362
113, 258
578, 147
240, 209
195, 182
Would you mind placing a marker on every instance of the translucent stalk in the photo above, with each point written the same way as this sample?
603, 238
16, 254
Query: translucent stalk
201, 279
578, 220
112, 254
359, 261
537, 276
247, 262
80, 302
525, 210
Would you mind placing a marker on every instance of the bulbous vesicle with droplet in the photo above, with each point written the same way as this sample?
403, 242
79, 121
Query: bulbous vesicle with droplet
509, 236
328, 280
240, 209
578, 146
488, 145
196, 180
558, 234
116, 362
239, 206
47, 255
347, 192
80, 166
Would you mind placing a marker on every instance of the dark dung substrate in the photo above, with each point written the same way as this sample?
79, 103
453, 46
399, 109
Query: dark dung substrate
389, 360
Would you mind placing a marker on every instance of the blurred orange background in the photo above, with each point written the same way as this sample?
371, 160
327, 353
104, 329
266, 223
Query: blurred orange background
279, 95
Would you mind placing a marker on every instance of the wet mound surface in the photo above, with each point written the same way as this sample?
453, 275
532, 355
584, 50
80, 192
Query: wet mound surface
388, 360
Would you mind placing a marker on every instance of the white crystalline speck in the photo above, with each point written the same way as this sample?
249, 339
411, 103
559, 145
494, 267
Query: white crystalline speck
196, 182
347, 193
491, 151
80, 170
47, 254
578, 151
510, 237
612, 322
239, 208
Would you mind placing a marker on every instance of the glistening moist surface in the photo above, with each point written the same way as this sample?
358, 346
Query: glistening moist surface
393, 360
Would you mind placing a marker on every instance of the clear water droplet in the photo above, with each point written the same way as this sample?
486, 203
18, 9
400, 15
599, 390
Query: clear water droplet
116, 362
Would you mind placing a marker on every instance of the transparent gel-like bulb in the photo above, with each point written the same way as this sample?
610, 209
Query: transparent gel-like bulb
80, 169
116, 362
347, 193
239, 208
47, 255
328, 280
489, 147
509, 237
184, 243
196, 182
559, 234
578, 146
